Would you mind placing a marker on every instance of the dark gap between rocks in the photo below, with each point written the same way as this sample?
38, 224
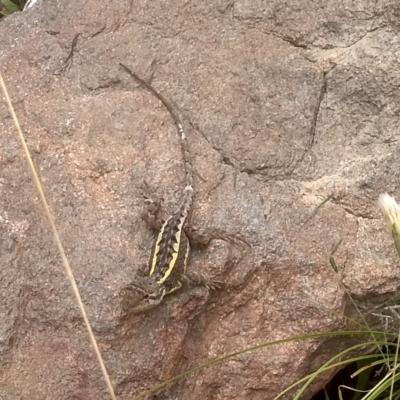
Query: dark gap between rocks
343, 378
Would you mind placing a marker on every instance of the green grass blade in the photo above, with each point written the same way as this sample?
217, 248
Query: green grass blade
9, 6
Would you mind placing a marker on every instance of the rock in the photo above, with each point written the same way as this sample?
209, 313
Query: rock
285, 106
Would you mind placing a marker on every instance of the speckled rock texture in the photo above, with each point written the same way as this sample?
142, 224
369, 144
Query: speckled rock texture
286, 104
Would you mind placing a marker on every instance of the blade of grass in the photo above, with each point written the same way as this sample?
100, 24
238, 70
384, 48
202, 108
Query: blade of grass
57, 239
364, 374
369, 365
379, 388
356, 391
10, 6
395, 365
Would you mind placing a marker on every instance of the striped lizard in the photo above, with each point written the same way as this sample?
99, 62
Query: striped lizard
171, 248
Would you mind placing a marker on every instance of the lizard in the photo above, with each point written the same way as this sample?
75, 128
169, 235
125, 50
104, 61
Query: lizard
171, 248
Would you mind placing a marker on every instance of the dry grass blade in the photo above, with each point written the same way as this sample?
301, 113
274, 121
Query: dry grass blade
57, 239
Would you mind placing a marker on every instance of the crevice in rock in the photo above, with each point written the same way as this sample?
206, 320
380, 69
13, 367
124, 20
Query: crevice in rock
98, 32
362, 37
354, 213
53, 33
301, 42
68, 60
293, 42
225, 159
107, 85
314, 121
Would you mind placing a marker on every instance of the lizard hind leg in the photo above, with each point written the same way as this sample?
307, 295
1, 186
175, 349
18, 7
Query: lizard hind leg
197, 278
153, 213
204, 238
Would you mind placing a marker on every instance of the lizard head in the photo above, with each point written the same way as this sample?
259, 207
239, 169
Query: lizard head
142, 294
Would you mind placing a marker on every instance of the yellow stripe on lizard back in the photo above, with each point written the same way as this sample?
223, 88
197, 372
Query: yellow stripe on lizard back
175, 254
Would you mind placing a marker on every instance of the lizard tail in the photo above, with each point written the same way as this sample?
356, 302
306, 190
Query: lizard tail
178, 123
186, 155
